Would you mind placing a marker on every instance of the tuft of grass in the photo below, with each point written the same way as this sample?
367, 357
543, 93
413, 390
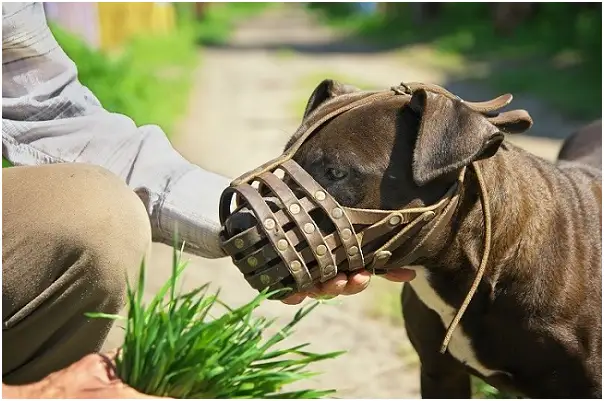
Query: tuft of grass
175, 346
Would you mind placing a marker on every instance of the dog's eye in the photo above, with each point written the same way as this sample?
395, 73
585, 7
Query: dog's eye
335, 174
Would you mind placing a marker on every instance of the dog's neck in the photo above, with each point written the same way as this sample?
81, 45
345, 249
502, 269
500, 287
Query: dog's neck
521, 204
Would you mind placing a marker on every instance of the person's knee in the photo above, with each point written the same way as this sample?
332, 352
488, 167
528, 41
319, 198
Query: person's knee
86, 222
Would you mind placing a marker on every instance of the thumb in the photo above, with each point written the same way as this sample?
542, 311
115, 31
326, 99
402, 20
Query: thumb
400, 275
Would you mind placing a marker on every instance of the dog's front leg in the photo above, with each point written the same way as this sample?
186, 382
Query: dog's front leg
441, 375
445, 382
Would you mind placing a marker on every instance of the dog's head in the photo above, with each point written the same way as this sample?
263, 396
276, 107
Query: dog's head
394, 152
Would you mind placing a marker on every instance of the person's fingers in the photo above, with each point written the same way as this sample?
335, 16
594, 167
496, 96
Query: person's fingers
357, 282
400, 275
342, 285
332, 287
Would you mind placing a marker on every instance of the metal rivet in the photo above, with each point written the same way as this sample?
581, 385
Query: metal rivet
395, 220
265, 279
239, 243
353, 250
269, 223
295, 265
282, 244
429, 216
320, 195
295, 208
252, 261
337, 213
309, 228
346, 233
321, 250
329, 268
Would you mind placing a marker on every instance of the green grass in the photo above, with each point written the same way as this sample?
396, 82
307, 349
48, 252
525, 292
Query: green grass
179, 345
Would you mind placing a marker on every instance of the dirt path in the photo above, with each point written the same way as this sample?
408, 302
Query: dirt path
241, 114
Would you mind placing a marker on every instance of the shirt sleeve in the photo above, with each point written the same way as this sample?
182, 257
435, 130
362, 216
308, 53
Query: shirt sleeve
48, 116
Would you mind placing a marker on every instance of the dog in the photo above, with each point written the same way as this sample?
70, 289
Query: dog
533, 326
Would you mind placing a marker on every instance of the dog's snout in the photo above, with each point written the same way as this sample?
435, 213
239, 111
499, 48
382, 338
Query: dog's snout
240, 221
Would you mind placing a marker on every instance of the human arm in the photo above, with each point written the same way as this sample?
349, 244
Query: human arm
48, 116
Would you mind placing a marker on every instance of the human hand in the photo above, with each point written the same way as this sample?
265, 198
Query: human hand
348, 285
91, 377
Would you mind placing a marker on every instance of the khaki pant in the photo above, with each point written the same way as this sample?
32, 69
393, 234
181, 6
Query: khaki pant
70, 232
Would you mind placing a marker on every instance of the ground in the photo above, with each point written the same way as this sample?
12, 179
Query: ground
244, 105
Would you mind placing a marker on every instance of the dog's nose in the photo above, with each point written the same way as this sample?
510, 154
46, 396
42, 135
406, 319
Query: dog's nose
239, 221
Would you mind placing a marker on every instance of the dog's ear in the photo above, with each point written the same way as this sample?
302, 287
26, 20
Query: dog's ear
450, 136
327, 89
512, 122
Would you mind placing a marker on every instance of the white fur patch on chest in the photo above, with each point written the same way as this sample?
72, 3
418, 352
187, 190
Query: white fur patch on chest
460, 346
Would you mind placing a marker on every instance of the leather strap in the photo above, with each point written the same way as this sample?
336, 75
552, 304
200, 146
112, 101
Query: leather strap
481, 107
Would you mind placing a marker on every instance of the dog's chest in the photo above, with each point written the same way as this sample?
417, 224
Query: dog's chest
460, 346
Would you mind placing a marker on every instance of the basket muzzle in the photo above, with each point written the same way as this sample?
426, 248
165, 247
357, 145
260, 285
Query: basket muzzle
301, 235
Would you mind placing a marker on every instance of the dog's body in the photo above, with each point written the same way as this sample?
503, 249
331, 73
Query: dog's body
534, 325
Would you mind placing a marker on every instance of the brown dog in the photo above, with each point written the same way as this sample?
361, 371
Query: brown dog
534, 325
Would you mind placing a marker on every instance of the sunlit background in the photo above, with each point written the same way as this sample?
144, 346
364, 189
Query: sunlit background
228, 83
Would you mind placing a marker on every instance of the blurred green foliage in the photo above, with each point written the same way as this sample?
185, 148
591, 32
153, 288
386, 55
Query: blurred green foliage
219, 19
555, 54
148, 80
